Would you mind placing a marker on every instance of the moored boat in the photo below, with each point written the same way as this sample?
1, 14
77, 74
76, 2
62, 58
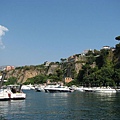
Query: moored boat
39, 88
27, 87
117, 90
4, 95
88, 89
10, 92
57, 88
17, 96
15, 92
80, 88
105, 90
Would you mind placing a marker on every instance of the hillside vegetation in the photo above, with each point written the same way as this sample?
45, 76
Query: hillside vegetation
95, 68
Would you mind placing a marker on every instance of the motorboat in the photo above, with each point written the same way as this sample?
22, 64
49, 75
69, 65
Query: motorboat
104, 89
88, 89
80, 88
117, 90
40, 88
11, 91
27, 87
15, 92
57, 88
4, 95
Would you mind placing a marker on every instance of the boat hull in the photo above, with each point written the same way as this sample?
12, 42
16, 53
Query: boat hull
56, 91
4, 95
7, 94
4, 99
18, 96
104, 90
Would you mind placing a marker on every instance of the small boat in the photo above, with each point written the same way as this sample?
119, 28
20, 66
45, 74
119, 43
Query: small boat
104, 90
4, 95
40, 88
27, 87
88, 89
15, 92
117, 90
10, 92
57, 88
80, 88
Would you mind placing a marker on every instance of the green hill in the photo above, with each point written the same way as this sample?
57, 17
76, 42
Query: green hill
93, 68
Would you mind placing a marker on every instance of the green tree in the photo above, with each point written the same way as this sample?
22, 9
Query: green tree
80, 76
105, 76
90, 57
116, 57
11, 81
116, 76
59, 73
39, 79
84, 74
117, 38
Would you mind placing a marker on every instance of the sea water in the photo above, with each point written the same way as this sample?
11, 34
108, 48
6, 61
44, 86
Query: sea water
62, 106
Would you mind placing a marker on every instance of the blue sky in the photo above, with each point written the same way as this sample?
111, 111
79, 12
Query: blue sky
35, 31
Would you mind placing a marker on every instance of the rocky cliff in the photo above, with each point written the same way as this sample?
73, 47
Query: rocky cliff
25, 72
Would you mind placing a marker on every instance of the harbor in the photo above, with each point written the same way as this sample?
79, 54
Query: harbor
57, 106
60, 60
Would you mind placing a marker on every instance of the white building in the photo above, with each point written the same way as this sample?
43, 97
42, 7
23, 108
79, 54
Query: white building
106, 47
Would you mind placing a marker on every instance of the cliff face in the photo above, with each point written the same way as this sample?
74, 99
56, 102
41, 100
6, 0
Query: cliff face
52, 69
78, 67
70, 68
23, 73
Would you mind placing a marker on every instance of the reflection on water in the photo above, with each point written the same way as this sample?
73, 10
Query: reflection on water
4, 107
105, 96
62, 106
11, 107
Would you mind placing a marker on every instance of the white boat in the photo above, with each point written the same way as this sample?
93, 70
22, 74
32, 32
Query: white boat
104, 90
117, 90
80, 88
12, 91
27, 87
57, 88
15, 92
4, 95
88, 89
39, 88
17, 96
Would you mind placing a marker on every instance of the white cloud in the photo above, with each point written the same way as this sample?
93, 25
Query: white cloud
2, 33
